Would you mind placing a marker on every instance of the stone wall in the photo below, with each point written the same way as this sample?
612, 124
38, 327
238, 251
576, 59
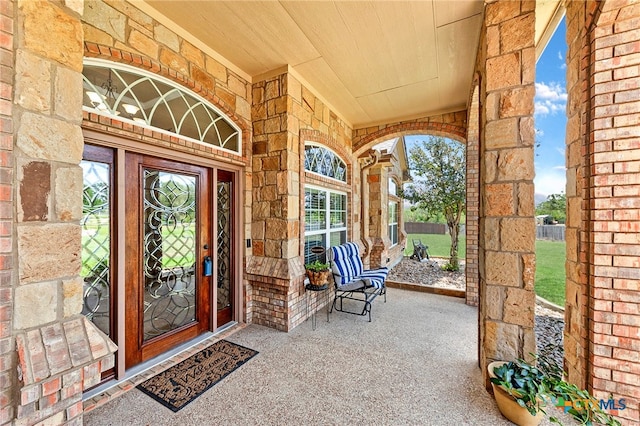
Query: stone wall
60, 354
506, 64
285, 115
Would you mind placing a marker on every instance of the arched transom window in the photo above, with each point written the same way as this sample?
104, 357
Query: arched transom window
323, 161
153, 101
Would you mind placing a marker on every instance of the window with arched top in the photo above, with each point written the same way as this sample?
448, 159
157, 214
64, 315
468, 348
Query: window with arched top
150, 100
325, 208
321, 160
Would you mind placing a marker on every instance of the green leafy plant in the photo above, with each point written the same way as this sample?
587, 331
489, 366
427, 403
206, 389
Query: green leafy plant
578, 403
450, 267
534, 386
316, 266
524, 382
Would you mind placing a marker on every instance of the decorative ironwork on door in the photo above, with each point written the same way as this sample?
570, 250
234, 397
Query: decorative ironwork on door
96, 244
169, 251
224, 245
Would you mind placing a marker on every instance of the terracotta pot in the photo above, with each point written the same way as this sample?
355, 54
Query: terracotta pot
509, 407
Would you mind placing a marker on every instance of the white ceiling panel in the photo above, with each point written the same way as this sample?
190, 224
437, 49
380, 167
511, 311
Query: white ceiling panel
371, 61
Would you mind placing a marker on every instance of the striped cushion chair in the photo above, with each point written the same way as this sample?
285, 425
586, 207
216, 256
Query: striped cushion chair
353, 282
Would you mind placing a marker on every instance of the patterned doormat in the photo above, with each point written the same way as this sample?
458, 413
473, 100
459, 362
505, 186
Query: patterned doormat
179, 385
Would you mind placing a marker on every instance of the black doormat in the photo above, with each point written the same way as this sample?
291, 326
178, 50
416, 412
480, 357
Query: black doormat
179, 385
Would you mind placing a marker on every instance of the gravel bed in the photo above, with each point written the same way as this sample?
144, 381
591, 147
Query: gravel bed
549, 324
428, 272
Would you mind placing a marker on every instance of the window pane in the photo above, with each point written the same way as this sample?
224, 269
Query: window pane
393, 188
393, 234
315, 210
320, 160
96, 243
311, 241
338, 210
393, 212
337, 238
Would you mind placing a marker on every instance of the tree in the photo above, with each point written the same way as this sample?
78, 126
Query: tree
555, 206
438, 165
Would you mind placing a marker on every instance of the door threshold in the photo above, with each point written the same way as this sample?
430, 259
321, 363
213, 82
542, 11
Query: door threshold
105, 392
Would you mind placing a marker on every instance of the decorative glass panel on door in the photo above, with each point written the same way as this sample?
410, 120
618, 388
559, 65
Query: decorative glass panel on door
169, 251
96, 244
224, 245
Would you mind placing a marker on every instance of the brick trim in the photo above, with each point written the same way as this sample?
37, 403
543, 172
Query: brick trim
449, 130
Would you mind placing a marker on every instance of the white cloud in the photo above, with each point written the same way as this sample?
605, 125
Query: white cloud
550, 181
552, 91
560, 56
550, 98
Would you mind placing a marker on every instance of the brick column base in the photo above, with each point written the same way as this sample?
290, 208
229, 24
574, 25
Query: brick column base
57, 363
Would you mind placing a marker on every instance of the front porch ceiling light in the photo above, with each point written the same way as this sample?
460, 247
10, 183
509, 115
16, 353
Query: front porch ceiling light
130, 109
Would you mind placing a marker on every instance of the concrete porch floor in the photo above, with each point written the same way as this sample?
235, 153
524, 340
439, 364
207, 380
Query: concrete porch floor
415, 363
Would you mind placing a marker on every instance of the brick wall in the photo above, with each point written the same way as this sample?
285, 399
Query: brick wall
604, 206
7, 358
576, 315
472, 274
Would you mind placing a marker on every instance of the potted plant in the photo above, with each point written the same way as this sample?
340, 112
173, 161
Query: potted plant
318, 273
519, 389
522, 391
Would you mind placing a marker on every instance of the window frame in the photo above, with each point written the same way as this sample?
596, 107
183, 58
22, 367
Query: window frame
318, 145
106, 64
327, 230
393, 200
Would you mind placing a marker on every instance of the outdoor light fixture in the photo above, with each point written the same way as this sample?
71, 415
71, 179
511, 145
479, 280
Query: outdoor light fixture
104, 99
130, 109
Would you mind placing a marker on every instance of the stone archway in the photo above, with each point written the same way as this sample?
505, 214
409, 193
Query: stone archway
456, 126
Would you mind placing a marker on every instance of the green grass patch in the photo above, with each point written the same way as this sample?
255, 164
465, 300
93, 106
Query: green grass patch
439, 245
550, 273
550, 258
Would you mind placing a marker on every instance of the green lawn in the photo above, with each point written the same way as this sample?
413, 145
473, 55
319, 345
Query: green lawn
550, 258
439, 245
550, 275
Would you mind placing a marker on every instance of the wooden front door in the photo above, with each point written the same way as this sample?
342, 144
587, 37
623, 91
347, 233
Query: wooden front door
168, 237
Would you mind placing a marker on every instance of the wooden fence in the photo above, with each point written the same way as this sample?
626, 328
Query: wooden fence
550, 232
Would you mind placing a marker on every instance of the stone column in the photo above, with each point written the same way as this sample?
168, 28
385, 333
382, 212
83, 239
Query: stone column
60, 353
507, 223
377, 188
275, 269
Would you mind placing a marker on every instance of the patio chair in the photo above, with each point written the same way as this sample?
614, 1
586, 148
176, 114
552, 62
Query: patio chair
420, 251
353, 282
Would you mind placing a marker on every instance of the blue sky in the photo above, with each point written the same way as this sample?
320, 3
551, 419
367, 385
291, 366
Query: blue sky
550, 116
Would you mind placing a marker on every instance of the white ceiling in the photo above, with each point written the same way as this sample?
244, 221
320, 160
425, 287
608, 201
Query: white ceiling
371, 61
